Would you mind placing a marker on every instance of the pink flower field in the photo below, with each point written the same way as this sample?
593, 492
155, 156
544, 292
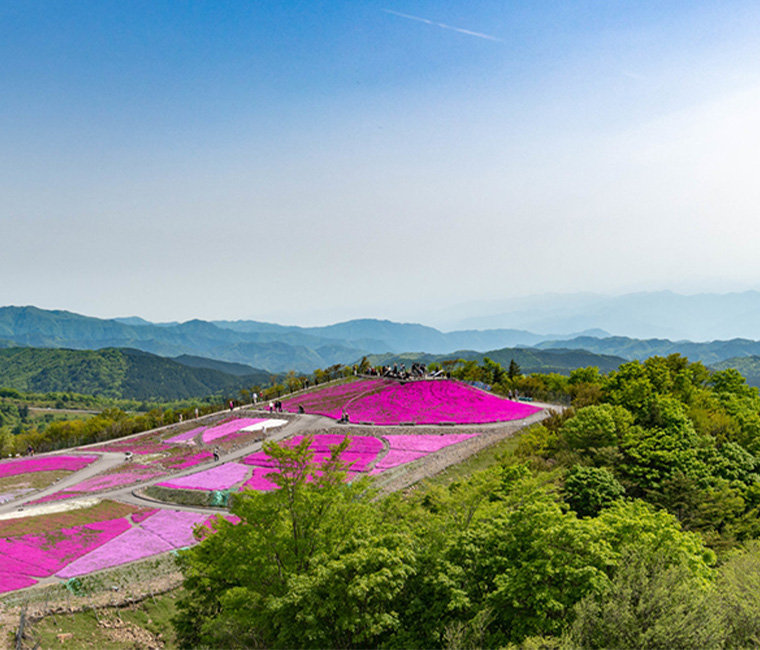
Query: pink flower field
73, 551
389, 402
366, 454
185, 437
100, 483
332, 401
221, 477
44, 464
100, 534
228, 428
163, 531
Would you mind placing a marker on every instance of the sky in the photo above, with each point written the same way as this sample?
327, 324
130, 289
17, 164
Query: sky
310, 162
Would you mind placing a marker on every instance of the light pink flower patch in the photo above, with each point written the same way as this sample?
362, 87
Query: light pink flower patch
228, 428
360, 453
9, 496
174, 527
108, 481
186, 436
221, 477
427, 443
135, 544
44, 464
396, 457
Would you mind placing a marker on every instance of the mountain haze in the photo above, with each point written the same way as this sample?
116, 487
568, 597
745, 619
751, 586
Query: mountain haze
660, 314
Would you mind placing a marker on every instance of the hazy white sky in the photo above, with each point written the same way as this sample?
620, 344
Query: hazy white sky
315, 161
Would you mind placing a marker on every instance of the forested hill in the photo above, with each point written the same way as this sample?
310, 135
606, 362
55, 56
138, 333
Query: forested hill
749, 367
529, 359
709, 353
118, 373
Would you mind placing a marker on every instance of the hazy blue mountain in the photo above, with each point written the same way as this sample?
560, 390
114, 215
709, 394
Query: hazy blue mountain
663, 314
387, 336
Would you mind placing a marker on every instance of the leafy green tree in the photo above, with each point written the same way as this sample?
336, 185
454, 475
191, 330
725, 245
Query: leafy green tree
651, 602
730, 381
292, 381
494, 370
668, 446
589, 489
528, 565
514, 370
737, 597
637, 524
310, 550
630, 387
350, 597
601, 425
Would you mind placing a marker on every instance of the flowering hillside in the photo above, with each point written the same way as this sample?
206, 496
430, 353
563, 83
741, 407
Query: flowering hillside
389, 402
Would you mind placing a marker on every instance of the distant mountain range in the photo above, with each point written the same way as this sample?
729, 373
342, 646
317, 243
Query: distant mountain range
272, 347
241, 346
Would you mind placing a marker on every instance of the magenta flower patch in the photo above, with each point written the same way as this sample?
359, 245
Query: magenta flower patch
48, 553
44, 464
332, 401
189, 461
389, 402
431, 402
325, 441
10, 581
141, 516
259, 480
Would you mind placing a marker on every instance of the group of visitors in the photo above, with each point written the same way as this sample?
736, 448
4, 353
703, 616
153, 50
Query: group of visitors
417, 371
275, 407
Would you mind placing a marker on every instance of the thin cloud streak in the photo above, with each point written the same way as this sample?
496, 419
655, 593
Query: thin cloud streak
443, 26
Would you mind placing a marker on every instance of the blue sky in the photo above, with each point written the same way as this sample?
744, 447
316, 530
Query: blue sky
309, 162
